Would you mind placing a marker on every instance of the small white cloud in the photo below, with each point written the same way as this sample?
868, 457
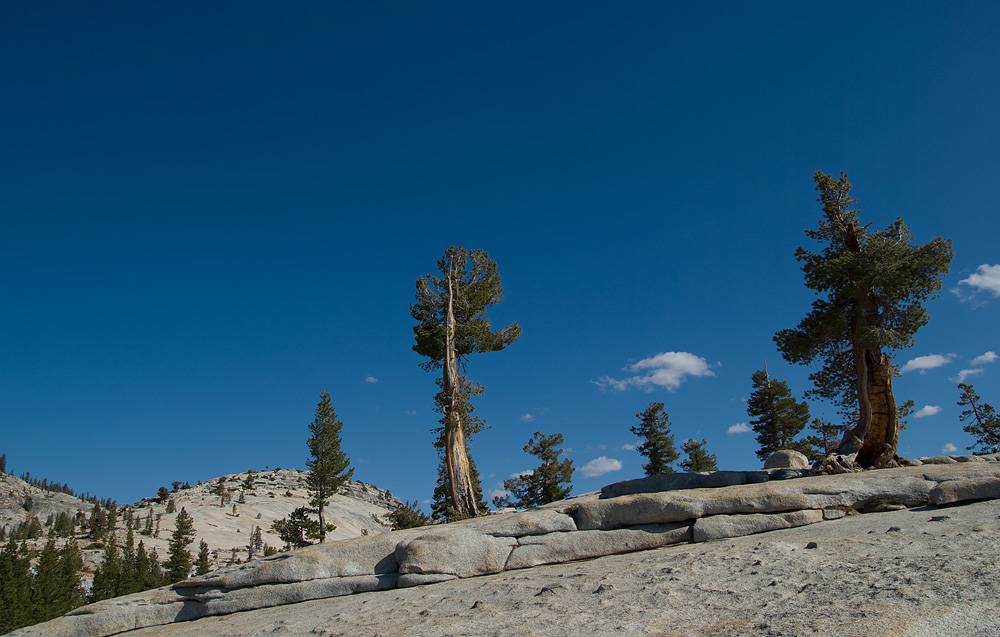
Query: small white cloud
499, 493
923, 363
600, 466
371, 379
521, 474
739, 428
628, 447
602, 447
949, 448
965, 373
986, 278
988, 357
410, 412
927, 410
666, 370
527, 417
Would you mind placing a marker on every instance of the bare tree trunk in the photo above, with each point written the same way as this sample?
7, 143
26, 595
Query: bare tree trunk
456, 456
322, 523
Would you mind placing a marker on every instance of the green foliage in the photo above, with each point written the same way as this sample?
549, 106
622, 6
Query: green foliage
108, 577
294, 529
203, 564
328, 465
162, 494
826, 438
29, 596
178, 563
698, 460
476, 287
545, 483
407, 516
171, 507
256, 544
442, 509
777, 417
984, 424
658, 441
871, 287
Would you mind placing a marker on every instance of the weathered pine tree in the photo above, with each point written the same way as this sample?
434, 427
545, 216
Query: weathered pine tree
328, 464
546, 482
451, 324
872, 286
698, 460
983, 421
658, 446
778, 417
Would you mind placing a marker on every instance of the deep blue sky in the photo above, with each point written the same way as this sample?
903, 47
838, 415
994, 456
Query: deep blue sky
213, 212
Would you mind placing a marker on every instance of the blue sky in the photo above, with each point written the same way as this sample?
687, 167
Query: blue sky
212, 213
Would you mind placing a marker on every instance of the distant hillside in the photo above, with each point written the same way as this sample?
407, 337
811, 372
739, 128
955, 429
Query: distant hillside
225, 511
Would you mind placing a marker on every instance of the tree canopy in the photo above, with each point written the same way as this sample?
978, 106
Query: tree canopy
545, 483
982, 420
871, 287
658, 446
776, 416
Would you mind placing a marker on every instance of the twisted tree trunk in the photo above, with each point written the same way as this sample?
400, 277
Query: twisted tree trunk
463, 496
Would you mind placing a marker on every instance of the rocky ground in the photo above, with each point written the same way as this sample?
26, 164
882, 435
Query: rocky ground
922, 571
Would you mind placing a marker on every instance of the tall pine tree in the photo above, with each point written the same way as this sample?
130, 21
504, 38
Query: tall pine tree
178, 557
871, 287
698, 460
982, 420
451, 324
328, 465
549, 482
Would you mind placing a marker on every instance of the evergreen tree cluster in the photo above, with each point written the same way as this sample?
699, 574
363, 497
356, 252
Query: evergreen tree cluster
126, 569
50, 589
546, 482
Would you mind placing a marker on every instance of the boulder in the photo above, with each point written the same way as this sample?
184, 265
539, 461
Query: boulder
787, 459
717, 527
555, 548
368, 555
520, 523
964, 490
860, 491
654, 484
459, 551
732, 478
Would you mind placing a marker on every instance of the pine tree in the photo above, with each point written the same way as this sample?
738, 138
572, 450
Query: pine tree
15, 586
779, 417
442, 508
545, 483
827, 437
107, 578
984, 424
203, 565
658, 446
171, 507
698, 460
178, 557
871, 286
328, 465
451, 324
294, 529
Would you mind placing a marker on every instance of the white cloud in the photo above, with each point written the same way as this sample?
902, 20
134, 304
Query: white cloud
521, 474
600, 466
965, 373
410, 412
371, 379
949, 448
628, 447
666, 370
987, 277
923, 363
527, 418
988, 357
739, 428
927, 410
499, 493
